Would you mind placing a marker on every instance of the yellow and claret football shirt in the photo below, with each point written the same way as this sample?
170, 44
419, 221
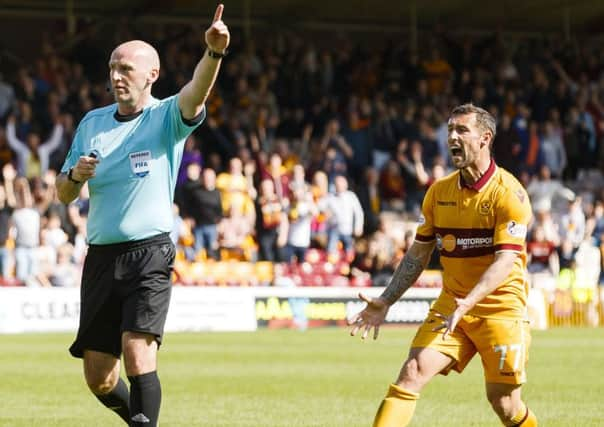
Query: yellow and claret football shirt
470, 224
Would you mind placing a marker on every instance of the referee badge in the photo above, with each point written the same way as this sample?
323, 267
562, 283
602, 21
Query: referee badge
140, 163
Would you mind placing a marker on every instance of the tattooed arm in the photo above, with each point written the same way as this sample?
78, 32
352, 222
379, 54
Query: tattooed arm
408, 270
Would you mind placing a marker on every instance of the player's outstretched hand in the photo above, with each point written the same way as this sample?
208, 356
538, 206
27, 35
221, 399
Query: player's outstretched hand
218, 36
450, 322
371, 316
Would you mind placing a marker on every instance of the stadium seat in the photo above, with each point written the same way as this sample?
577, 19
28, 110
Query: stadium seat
264, 272
242, 274
10, 282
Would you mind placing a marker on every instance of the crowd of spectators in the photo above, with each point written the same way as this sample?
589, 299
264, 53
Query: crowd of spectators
314, 153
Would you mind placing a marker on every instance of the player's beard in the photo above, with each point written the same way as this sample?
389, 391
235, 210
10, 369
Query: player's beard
460, 158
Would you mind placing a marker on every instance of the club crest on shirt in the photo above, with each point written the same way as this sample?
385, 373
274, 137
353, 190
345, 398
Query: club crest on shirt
140, 163
485, 207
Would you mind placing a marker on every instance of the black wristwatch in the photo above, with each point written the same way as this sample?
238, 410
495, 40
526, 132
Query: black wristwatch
70, 176
216, 55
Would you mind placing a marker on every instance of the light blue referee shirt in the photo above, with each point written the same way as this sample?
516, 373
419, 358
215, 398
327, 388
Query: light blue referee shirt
131, 195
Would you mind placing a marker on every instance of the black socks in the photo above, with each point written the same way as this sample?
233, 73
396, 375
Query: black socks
117, 400
145, 399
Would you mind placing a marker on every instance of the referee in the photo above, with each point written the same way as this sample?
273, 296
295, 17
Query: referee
129, 153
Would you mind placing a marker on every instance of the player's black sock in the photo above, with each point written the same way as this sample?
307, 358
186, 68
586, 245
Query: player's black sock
117, 400
145, 398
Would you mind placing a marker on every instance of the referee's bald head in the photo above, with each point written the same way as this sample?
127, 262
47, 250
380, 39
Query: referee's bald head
139, 50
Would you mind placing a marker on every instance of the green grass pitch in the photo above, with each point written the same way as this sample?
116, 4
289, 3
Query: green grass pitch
321, 377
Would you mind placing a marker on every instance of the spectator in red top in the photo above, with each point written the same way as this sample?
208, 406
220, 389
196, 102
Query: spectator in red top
392, 186
542, 255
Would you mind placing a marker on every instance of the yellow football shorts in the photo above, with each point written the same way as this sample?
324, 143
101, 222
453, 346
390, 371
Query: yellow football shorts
502, 344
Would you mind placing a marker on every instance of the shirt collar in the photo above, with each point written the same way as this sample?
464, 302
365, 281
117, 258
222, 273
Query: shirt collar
482, 181
126, 117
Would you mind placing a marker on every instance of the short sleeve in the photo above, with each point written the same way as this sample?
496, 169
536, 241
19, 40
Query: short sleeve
513, 215
425, 231
75, 151
181, 127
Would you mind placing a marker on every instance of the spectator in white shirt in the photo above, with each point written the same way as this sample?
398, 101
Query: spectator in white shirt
345, 217
301, 211
572, 223
547, 193
26, 221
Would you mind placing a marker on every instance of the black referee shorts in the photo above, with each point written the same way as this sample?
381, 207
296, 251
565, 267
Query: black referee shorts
125, 287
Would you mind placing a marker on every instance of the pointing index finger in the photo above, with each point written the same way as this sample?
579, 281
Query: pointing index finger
218, 13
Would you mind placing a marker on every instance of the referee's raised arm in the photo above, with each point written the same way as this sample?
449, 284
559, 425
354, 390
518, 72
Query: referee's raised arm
194, 94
